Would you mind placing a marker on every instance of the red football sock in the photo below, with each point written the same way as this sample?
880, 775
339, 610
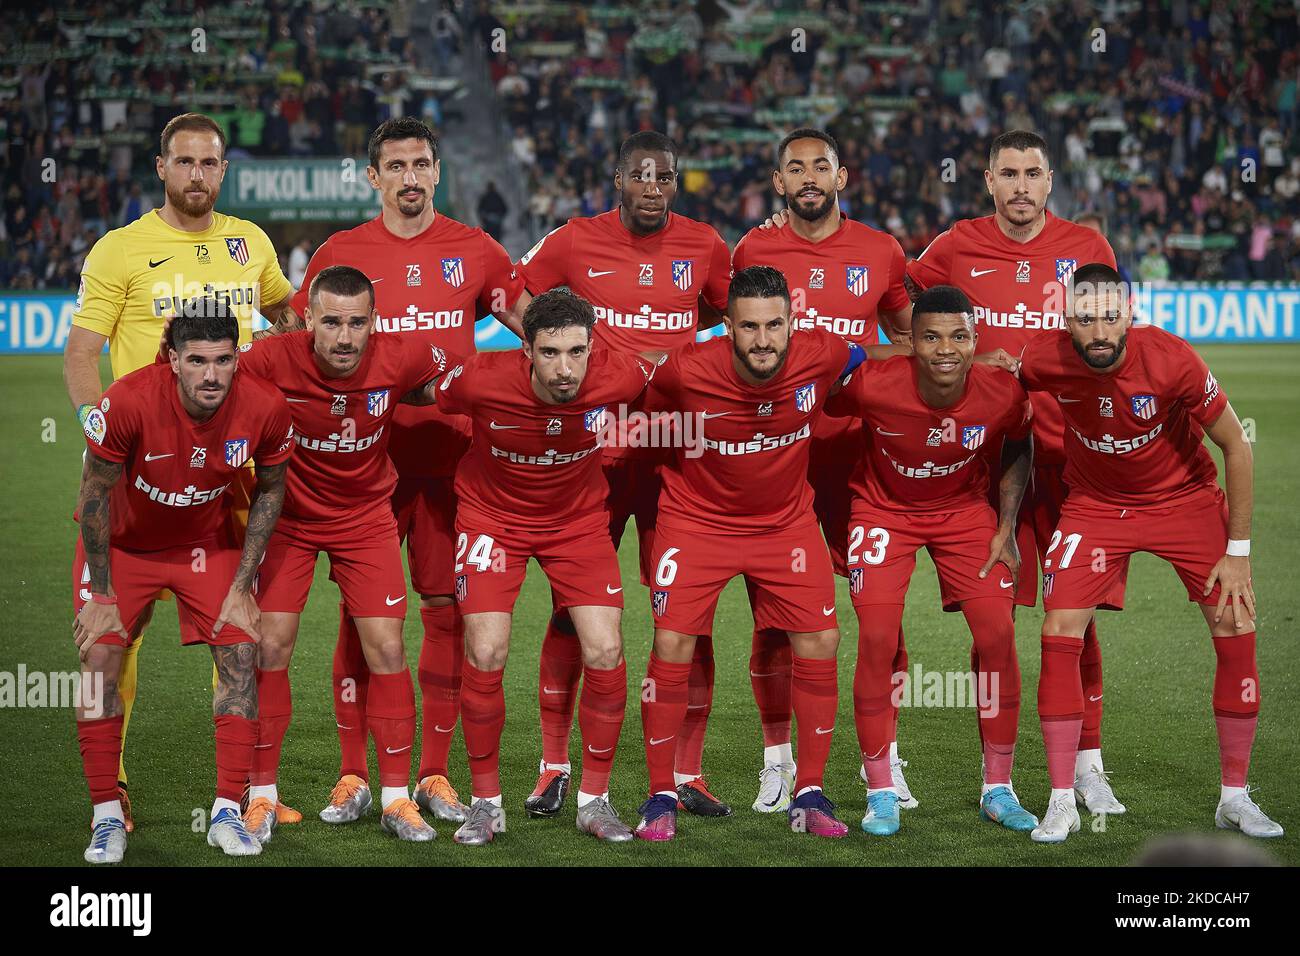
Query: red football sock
1236, 705
689, 757
1090, 674
351, 686
390, 711
235, 739
663, 708
770, 672
874, 712
899, 667
997, 682
814, 691
557, 689
600, 720
1060, 706
482, 717
101, 751
442, 655
274, 711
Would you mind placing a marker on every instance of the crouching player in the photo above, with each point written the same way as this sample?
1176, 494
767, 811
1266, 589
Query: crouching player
179, 434
531, 486
934, 419
1137, 403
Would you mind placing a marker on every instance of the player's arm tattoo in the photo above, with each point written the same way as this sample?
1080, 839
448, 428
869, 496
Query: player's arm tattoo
97, 482
283, 318
262, 515
1017, 464
913, 290
236, 691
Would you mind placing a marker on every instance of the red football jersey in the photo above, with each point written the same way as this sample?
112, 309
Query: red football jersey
433, 287
929, 460
341, 470
176, 470
1134, 435
645, 289
751, 475
532, 464
1016, 290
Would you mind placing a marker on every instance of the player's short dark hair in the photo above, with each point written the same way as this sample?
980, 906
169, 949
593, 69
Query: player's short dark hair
757, 282
648, 140
1021, 139
806, 132
190, 122
205, 318
403, 127
555, 311
340, 280
943, 300
1097, 277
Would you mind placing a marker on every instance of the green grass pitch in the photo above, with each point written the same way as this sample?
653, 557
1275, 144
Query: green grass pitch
1158, 731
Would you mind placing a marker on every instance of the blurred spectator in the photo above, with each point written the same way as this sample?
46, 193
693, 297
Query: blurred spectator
298, 259
492, 211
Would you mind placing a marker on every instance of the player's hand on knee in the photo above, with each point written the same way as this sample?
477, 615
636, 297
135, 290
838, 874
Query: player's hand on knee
93, 622
1233, 576
777, 220
240, 610
1003, 549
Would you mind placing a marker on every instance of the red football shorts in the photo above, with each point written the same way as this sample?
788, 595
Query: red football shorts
1088, 557
199, 576
365, 561
579, 561
882, 555
838, 446
634, 487
1039, 513
425, 509
789, 571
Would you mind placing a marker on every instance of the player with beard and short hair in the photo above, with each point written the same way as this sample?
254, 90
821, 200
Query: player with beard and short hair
433, 277
137, 276
654, 279
1013, 266
1138, 402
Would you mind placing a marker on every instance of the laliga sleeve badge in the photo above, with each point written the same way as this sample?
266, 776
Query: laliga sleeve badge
96, 426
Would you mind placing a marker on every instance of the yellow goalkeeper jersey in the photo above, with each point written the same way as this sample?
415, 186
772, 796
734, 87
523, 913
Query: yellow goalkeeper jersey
139, 274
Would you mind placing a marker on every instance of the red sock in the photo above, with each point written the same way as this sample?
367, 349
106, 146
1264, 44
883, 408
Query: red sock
557, 689
482, 716
874, 712
101, 751
770, 667
997, 682
689, 758
390, 711
814, 697
235, 739
1236, 705
1090, 673
663, 708
274, 711
351, 686
442, 655
1060, 706
600, 720
899, 667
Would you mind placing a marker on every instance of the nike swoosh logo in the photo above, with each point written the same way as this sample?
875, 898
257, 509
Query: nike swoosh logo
391, 601
398, 750
826, 731
155, 265
610, 590
595, 751
1063, 399
828, 611
769, 674
1004, 584
656, 743
1094, 699
497, 428
881, 431
149, 457
262, 746
444, 730
373, 281
596, 275
339, 726
706, 415
300, 401
547, 690
976, 273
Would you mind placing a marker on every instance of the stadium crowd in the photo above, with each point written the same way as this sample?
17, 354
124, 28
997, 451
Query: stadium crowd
1161, 124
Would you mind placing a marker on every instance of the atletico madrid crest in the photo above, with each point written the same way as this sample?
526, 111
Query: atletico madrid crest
236, 452
855, 277
1144, 406
594, 420
659, 603
453, 272
683, 274
461, 587
1065, 269
855, 580
238, 250
377, 403
805, 397
972, 437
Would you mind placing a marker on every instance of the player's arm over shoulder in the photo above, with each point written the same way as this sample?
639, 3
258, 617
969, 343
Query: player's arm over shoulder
933, 266
546, 265
430, 373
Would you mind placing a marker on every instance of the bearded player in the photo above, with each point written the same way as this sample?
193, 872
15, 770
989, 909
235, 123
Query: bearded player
740, 503
433, 277
1013, 266
532, 486
342, 385
847, 278
137, 276
935, 417
654, 279
164, 446
1137, 403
